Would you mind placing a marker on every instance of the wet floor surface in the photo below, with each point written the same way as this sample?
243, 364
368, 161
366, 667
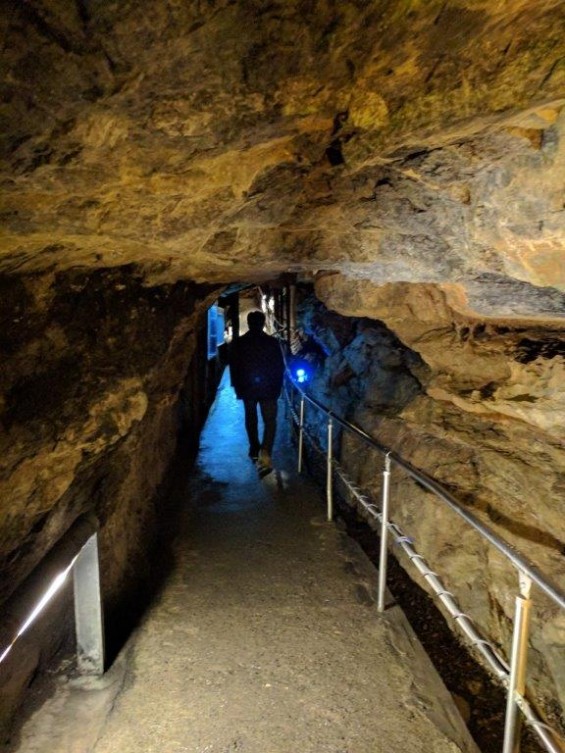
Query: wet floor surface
265, 637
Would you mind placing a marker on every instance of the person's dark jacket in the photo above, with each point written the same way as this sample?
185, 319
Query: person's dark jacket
256, 366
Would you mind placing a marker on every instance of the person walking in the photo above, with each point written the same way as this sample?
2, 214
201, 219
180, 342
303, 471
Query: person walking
257, 368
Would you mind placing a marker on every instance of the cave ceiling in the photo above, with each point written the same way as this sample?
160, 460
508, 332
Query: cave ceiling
393, 141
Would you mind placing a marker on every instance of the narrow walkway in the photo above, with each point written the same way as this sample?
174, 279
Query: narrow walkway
265, 638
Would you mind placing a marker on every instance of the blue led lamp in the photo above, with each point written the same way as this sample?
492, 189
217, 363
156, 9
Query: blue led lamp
301, 371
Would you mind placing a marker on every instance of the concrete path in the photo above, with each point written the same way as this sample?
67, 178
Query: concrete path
265, 639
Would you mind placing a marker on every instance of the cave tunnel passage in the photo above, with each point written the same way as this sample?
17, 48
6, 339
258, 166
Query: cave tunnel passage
264, 637
265, 615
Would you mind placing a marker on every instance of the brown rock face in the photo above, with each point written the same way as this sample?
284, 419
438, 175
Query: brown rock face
89, 388
393, 141
92, 371
407, 155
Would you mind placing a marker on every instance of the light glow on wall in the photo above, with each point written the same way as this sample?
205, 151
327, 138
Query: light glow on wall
54, 587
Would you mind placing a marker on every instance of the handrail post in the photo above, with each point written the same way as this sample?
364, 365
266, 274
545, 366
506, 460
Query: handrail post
384, 535
301, 434
329, 471
518, 659
89, 624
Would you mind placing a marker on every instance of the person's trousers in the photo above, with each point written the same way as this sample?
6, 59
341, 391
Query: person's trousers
269, 415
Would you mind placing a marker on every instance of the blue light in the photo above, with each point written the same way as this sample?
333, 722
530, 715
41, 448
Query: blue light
301, 376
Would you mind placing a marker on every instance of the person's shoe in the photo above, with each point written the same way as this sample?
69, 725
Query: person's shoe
254, 455
265, 462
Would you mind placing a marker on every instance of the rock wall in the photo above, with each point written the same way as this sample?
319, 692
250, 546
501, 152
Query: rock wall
477, 404
90, 417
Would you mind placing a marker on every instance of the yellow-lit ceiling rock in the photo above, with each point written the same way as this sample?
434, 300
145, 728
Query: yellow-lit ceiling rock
390, 141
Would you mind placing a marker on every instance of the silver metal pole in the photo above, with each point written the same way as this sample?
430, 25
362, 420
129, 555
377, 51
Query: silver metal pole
88, 610
384, 535
517, 679
329, 471
301, 434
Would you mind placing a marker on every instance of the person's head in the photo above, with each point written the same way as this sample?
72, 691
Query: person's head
255, 321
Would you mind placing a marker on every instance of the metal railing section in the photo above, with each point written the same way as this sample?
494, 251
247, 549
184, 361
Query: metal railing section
512, 675
76, 552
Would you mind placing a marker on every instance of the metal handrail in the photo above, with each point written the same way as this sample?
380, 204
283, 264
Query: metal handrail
512, 675
508, 550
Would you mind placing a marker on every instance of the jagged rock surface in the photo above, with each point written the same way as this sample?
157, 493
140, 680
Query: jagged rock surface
93, 364
394, 141
459, 405
89, 395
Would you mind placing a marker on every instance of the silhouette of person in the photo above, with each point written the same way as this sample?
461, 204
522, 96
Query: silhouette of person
257, 368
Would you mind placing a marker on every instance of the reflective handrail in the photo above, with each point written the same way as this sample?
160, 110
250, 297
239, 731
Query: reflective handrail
508, 550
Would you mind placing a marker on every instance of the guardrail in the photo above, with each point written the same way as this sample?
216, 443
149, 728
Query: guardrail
76, 552
512, 675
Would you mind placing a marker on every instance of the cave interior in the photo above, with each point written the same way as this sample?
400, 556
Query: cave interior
391, 172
